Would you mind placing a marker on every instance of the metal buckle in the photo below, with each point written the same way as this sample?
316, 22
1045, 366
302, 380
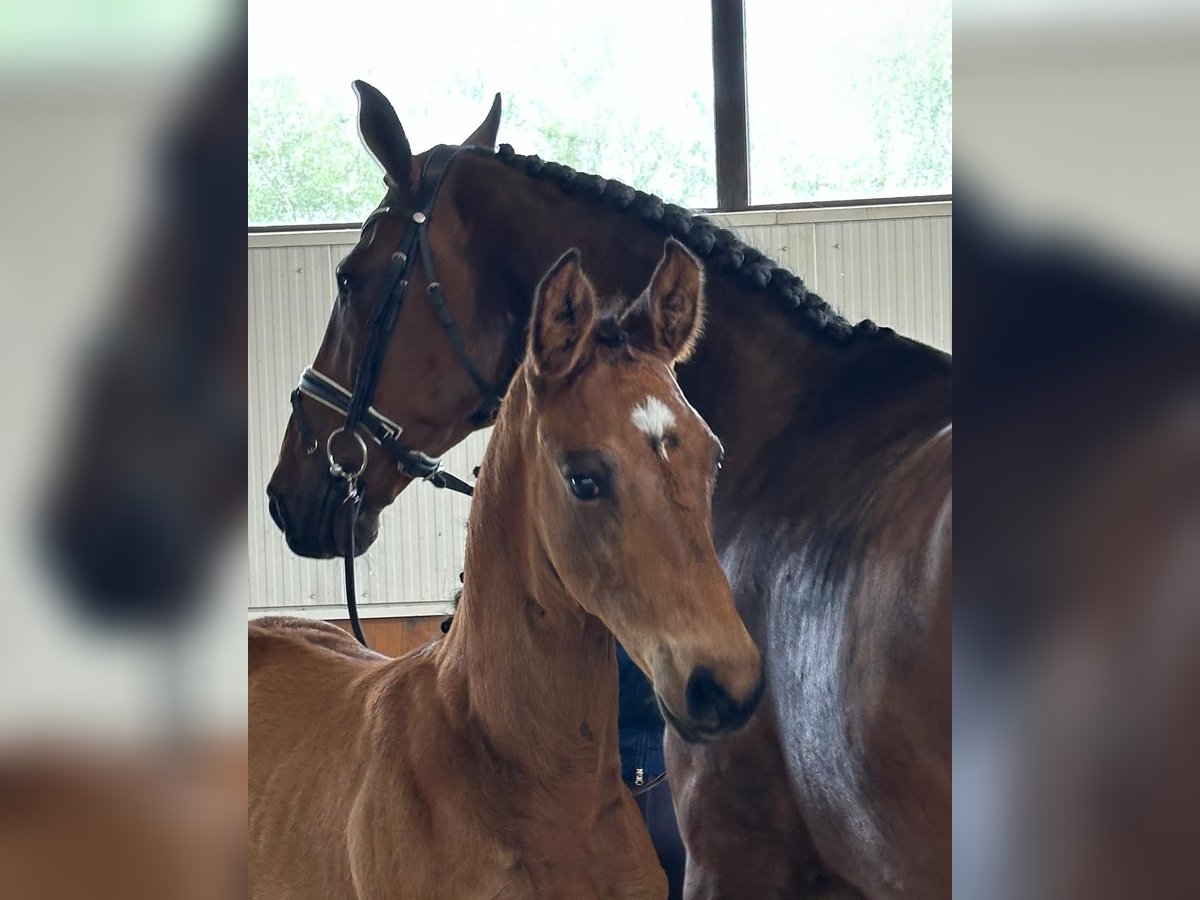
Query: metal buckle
335, 468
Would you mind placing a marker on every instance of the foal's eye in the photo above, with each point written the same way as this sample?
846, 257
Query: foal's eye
585, 487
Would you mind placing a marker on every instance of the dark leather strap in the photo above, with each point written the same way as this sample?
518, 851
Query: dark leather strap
385, 432
355, 501
380, 324
395, 284
356, 404
329, 393
444, 479
438, 299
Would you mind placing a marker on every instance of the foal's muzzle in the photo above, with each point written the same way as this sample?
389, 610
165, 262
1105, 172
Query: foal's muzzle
712, 712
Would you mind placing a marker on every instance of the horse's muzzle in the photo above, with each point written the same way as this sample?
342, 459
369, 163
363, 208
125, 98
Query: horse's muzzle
316, 528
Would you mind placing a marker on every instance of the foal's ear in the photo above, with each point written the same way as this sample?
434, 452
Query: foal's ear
669, 316
485, 134
564, 308
381, 133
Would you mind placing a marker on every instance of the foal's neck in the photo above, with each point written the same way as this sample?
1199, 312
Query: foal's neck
522, 661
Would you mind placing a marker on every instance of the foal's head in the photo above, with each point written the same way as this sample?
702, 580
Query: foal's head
622, 487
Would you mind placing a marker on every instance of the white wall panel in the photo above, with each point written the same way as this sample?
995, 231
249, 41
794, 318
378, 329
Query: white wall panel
891, 264
887, 263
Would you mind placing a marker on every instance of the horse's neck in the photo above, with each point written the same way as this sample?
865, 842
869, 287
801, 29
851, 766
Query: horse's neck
799, 412
756, 373
789, 405
522, 662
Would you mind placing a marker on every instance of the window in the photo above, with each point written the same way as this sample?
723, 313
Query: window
845, 101
848, 100
620, 88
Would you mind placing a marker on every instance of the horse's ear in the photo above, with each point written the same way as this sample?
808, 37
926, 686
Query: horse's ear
564, 308
668, 318
485, 134
381, 133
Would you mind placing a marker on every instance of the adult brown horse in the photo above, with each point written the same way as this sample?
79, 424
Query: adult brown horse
486, 765
831, 520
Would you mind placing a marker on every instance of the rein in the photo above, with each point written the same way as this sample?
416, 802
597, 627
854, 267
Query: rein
355, 405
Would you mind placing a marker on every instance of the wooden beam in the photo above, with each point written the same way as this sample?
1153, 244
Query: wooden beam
395, 637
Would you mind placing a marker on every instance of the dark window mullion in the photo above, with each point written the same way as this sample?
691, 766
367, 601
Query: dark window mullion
729, 104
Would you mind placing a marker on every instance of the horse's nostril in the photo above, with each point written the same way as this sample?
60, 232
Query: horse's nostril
707, 700
275, 508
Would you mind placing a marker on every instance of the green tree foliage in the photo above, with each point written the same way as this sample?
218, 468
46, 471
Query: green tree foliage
306, 164
865, 113
912, 105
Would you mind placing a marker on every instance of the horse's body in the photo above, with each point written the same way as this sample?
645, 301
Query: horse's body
487, 765
851, 773
831, 519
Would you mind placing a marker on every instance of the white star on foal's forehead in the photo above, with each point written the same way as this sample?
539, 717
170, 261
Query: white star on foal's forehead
654, 419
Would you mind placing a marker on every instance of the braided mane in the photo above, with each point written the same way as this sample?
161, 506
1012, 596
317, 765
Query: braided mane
719, 247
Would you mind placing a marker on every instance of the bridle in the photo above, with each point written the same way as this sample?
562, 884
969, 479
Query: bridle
355, 405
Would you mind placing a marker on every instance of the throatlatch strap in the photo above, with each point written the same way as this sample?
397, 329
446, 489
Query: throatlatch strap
442, 311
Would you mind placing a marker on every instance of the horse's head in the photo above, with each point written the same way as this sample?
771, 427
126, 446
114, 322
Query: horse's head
621, 488
429, 391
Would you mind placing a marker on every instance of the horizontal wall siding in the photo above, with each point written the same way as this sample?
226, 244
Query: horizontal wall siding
890, 264
414, 566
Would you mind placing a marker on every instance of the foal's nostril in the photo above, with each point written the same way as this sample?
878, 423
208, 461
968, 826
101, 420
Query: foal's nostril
711, 706
707, 700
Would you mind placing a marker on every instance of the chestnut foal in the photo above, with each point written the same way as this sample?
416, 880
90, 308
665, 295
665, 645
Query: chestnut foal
486, 765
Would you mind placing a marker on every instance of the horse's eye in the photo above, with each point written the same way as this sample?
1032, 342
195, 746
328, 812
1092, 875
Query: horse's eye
585, 487
343, 282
